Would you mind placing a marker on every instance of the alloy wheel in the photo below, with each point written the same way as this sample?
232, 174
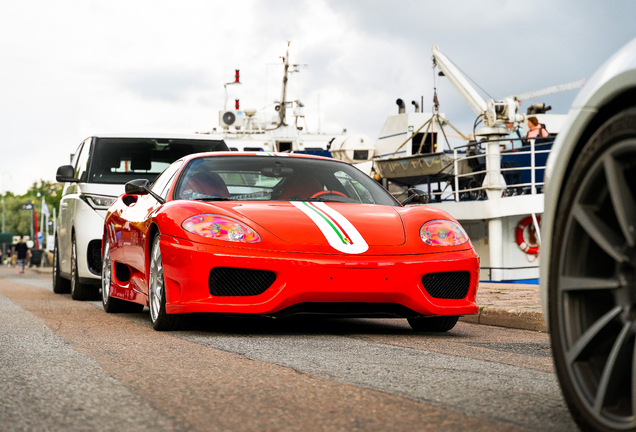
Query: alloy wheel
106, 272
596, 297
73, 267
155, 291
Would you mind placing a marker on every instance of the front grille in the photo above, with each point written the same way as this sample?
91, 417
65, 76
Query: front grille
238, 282
447, 285
94, 256
349, 310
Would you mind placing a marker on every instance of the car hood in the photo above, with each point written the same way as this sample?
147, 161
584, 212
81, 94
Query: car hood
349, 228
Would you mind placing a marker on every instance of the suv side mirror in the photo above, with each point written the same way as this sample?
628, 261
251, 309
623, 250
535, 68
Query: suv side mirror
137, 187
416, 195
66, 173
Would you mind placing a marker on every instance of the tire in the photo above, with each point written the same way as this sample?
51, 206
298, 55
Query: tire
592, 280
111, 304
80, 291
436, 324
160, 320
60, 285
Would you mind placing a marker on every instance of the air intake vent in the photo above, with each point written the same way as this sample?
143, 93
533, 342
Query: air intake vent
94, 256
447, 285
238, 282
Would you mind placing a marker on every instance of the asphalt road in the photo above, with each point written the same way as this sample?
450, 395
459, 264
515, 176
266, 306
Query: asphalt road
67, 365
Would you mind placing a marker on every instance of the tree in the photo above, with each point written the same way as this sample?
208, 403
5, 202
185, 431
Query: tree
18, 221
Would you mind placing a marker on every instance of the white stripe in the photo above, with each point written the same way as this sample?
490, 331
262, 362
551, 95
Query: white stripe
358, 246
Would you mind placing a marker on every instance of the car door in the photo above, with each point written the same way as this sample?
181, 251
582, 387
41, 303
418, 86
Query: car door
138, 220
68, 207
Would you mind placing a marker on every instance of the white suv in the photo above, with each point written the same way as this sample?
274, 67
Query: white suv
102, 165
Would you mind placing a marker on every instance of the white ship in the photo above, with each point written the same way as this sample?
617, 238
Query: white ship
286, 131
496, 195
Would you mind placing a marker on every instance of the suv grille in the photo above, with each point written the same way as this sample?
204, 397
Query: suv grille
447, 285
94, 256
238, 282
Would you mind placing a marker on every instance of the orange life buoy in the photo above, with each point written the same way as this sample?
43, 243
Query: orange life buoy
521, 241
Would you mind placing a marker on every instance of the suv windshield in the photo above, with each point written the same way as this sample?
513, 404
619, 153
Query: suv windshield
119, 160
277, 178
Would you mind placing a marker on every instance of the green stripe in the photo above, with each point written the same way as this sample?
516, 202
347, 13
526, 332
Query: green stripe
328, 221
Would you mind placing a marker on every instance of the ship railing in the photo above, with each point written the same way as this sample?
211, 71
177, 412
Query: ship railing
478, 192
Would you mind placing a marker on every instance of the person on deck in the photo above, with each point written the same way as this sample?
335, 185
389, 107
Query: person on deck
537, 130
514, 139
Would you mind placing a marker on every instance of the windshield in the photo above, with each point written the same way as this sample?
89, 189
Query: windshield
277, 178
119, 160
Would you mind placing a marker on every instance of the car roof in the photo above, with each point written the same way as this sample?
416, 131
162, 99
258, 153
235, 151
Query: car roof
259, 153
214, 137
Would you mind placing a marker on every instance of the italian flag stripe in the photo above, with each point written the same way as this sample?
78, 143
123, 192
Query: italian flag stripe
333, 224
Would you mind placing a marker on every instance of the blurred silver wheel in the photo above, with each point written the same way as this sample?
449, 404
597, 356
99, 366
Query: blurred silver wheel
592, 288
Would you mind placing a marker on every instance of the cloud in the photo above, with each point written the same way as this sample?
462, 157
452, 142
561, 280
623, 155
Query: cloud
74, 67
164, 85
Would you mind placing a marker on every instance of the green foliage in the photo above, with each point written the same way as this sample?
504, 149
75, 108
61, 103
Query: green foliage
18, 221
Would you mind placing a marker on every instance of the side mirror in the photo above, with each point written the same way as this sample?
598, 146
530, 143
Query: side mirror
137, 187
416, 195
141, 187
66, 173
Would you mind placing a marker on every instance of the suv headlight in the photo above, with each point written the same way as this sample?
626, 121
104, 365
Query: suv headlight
443, 233
98, 202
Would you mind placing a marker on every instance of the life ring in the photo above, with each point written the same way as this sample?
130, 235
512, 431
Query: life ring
521, 242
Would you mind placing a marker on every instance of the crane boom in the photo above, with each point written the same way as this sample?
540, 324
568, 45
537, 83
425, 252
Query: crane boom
550, 90
463, 87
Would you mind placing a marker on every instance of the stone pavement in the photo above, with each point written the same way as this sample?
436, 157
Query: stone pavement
500, 304
509, 305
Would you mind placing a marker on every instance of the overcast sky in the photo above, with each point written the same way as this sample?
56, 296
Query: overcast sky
71, 69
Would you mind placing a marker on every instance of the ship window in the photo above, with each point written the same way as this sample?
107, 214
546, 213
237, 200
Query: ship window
428, 145
284, 146
360, 154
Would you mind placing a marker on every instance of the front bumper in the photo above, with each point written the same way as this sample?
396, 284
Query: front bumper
303, 278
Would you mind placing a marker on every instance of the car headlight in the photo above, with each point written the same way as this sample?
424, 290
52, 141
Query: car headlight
443, 233
98, 202
220, 228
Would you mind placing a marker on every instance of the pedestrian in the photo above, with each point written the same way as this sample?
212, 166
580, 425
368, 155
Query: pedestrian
22, 251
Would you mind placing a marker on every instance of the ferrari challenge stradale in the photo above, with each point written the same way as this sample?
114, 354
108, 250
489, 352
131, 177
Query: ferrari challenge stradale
274, 235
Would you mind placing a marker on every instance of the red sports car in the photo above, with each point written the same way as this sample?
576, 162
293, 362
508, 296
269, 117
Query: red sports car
274, 235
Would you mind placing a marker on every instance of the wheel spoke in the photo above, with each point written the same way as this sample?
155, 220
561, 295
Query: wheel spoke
609, 367
634, 381
571, 283
587, 337
600, 232
622, 199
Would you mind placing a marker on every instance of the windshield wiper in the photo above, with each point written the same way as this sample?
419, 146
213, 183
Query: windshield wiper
213, 198
331, 198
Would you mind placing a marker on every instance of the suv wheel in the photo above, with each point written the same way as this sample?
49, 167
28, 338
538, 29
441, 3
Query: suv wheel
60, 285
80, 291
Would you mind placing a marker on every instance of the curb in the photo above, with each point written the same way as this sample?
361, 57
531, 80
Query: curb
518, 318
43, 270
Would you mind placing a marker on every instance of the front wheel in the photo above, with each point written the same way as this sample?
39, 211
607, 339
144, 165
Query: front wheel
159, 319
111, 304
80, 291
436, 324
60, 285
592, 280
